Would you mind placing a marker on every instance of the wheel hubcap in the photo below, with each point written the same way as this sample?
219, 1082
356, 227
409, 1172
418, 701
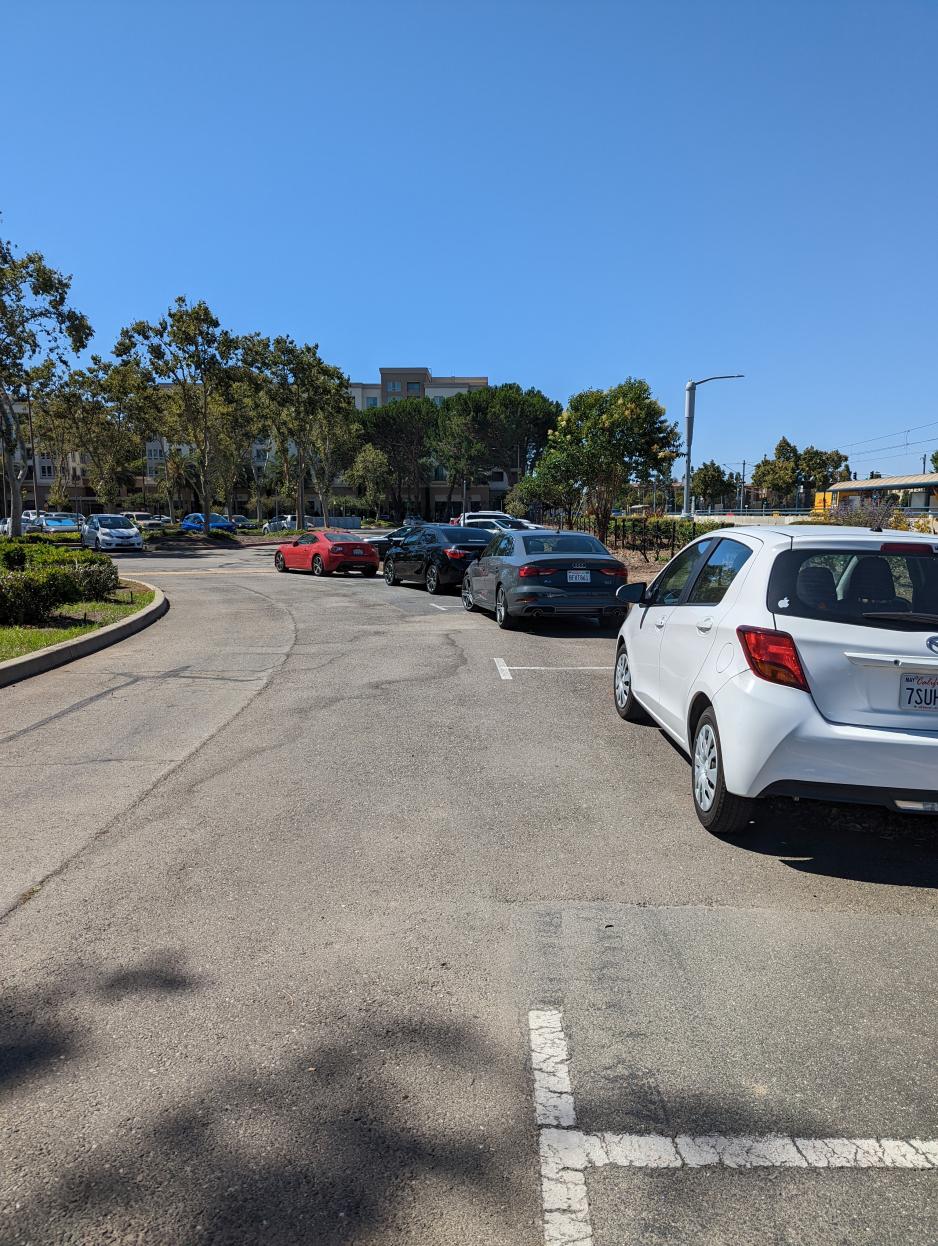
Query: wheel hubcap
705, 767
389, 572
623, 679
466, 594
431, 579
500, 607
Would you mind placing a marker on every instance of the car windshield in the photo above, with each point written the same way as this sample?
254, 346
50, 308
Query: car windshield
894, 586
218, 519
515, 525
66, 518
454, 536
113, 521
563, 543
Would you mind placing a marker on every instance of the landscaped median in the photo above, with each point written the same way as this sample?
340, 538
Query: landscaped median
57, 604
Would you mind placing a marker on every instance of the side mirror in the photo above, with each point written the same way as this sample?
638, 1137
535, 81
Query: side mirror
296, 541
631, 594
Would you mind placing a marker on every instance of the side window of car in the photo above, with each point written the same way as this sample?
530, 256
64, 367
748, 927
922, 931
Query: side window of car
492, 548
411, 539
674, 578
506, 546
718, 573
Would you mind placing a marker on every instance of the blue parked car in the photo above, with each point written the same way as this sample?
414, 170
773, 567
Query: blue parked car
217, 523
60, 521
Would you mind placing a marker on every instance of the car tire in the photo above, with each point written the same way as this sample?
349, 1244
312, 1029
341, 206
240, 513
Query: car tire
502, 617
717, 809
623, 696
468, 599
318, 567
389, 576
278, 561
431, 579
96, 546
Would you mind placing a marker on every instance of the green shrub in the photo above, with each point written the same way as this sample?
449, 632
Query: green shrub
32, 595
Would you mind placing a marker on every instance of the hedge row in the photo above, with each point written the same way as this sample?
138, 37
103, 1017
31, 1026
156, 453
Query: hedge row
18, 554
31, 596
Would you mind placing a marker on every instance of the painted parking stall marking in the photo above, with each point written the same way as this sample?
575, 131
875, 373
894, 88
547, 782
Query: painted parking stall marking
567, 1152
505, 671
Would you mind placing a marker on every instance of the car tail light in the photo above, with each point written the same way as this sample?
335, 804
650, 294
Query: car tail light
535, 568
338, 549
617, 570
773, 656
450, 552
907, 547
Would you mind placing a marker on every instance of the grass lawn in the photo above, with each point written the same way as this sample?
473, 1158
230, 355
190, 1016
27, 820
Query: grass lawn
74, 620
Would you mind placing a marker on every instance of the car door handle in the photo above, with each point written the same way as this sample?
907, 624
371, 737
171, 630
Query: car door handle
704, 625
659, 623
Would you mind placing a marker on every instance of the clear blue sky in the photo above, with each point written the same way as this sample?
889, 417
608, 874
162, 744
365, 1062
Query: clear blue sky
561, 194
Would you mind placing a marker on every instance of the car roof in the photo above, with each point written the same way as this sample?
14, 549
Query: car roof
784, 535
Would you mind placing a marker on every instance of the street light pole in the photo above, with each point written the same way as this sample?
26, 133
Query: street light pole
690, 396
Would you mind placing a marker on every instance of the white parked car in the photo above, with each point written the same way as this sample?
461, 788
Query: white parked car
791, 662
111, 532
144, 520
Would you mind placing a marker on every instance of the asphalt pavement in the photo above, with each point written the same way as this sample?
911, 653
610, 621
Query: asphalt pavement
287, 875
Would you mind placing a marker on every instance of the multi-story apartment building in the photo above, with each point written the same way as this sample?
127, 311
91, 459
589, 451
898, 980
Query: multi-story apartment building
410, 383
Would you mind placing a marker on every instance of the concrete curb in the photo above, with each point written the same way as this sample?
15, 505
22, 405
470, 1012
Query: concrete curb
15, 669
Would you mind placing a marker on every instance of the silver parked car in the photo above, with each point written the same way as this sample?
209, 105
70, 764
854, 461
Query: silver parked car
535, 574
111, 532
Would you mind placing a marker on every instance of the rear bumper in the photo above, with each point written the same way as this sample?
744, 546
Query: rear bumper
524, 601
353, 564
902, 800
776, 742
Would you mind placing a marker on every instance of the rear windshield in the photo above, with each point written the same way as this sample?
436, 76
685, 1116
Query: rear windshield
340, 536
563, 543
462, 536
867, 588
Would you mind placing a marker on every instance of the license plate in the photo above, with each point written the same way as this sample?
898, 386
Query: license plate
919, 692
578, 577
358, 550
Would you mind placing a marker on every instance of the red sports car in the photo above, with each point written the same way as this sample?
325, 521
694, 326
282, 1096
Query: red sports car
325, 552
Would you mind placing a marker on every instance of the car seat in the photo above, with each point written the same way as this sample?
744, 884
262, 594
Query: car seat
815, 587
872, 586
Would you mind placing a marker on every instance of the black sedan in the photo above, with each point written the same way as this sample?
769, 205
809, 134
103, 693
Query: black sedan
384, 540
544, 574
434, 555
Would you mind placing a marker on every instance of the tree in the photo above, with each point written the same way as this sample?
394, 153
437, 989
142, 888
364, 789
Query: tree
371, 475
404, 431
37, 325
710, 482
312, 417
618, 435
515, 424
818, 469
934, 461
189, 354
108, 408
457, 439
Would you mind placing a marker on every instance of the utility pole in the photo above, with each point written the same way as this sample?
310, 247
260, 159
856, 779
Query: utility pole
742, 488
690, 397
923, 464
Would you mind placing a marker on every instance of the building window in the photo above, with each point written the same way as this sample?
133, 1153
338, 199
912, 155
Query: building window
370, 403
413, 388
394, 387
439, 473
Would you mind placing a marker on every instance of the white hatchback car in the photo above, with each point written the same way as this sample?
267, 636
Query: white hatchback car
796, 661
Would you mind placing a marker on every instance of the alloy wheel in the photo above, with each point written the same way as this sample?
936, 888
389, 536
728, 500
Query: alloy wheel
623, 679
467, 599
432, 579
317, 565
706, 761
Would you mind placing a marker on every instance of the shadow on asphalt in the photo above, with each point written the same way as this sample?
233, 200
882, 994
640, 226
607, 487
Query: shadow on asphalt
339, 1142
860, 843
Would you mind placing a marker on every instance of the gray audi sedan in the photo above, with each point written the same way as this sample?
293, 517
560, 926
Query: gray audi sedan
544, 574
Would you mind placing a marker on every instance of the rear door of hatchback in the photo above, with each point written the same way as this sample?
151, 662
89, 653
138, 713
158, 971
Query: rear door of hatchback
863, 612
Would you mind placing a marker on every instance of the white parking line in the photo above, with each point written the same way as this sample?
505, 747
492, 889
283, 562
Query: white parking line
436, 605
505, 670
566, 1152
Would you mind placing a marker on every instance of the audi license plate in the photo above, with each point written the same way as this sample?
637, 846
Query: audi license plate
919, 692
358, 550
578, 577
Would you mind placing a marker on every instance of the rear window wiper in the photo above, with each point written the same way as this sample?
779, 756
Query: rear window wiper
904, 616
